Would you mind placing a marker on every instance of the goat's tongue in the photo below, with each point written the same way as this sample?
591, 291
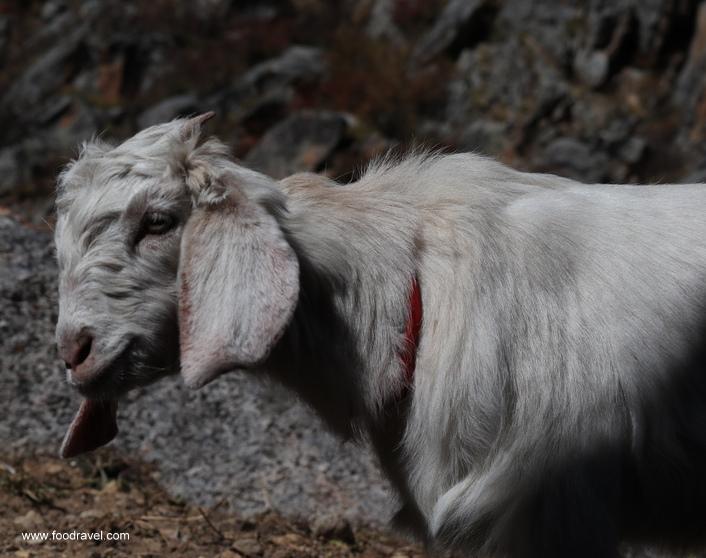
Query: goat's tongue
93, 426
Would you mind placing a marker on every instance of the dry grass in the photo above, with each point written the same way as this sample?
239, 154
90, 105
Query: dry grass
106, 493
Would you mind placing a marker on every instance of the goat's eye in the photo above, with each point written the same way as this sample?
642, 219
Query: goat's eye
157, 223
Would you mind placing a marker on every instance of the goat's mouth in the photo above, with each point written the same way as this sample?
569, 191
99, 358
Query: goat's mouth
95, 422
104, 382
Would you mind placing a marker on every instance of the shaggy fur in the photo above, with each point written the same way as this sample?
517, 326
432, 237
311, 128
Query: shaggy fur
559, 397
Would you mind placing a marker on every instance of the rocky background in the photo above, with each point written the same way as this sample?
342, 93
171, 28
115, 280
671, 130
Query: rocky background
601, 90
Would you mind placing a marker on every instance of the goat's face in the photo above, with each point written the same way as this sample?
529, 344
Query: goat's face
119, 223
168, 254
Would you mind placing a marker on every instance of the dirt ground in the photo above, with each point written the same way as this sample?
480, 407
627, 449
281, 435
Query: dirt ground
106, 493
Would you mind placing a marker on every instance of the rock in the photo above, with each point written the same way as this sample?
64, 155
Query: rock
644, 552
11, 171
80, 122
289, 540
301, 142
168, 109
575, 159
52, 9
42, 78
696, 175
333, 527
20, 163
271, 82
4, 33
661, 27
29, 520
92, 514
111, 487
381, 24
552, 25
689, 85
297, 62
209, 9
484, 136
461, 21
592, 67
633, 150
481, 91
29, 167
53, 109
247, 546
607, 43
52, 31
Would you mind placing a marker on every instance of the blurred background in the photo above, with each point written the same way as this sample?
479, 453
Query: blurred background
600, 90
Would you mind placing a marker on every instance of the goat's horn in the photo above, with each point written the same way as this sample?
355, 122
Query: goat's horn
193, 125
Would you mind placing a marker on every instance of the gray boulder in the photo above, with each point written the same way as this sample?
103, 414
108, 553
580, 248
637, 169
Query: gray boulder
301, 142
460, 19
236, 440
272, 81
573, 158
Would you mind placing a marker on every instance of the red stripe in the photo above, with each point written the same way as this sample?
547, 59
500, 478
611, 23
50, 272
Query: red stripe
412, 333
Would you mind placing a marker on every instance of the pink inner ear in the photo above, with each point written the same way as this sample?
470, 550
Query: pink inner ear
93, 426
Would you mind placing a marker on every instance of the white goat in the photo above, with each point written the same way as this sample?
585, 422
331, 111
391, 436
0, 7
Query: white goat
558, 402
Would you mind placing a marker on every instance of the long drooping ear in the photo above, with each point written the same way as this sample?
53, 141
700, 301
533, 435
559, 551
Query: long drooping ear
238, 287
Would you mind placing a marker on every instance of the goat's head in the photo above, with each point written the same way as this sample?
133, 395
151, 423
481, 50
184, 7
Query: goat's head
170, 256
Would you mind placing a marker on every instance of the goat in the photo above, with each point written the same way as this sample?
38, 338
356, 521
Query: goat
556, 404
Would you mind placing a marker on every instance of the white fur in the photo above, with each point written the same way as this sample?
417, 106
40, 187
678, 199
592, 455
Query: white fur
558, 399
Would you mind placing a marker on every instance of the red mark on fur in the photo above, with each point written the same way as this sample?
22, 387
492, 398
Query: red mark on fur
412, 333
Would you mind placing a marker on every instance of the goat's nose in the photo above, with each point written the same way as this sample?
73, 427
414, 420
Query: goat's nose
75, 351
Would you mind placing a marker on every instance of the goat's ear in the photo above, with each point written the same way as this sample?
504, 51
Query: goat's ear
238, 287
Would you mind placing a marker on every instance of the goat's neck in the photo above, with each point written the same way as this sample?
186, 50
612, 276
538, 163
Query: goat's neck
341, 350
